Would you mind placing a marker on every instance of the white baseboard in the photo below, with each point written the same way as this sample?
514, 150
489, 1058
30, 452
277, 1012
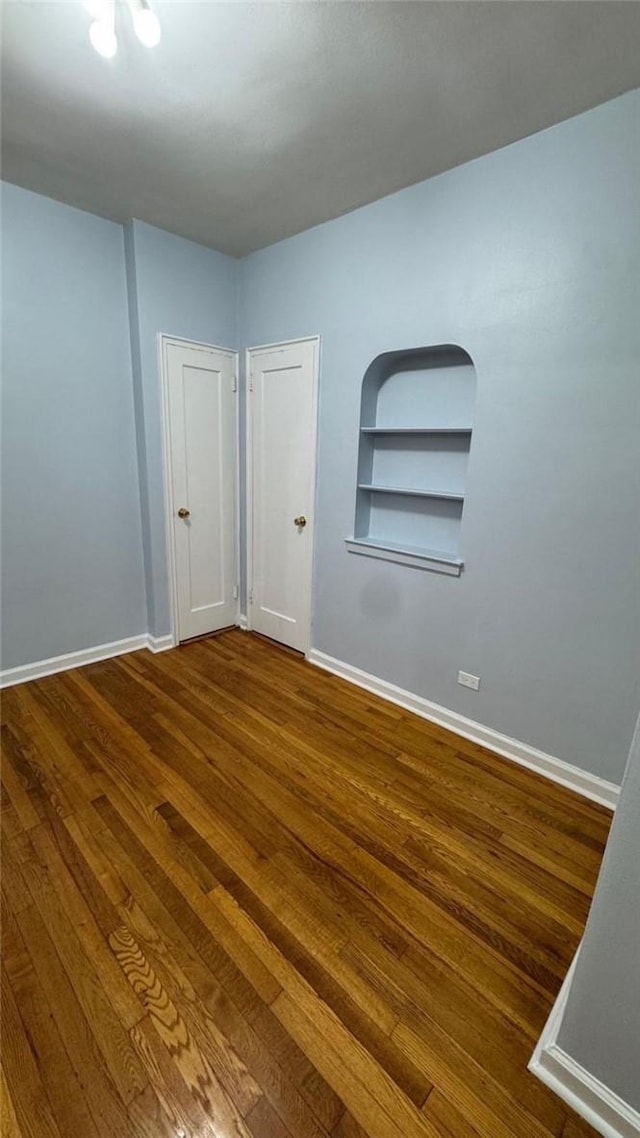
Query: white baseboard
160, 643
552, 1026
243, 622
589, 785
591, 1099
69, 660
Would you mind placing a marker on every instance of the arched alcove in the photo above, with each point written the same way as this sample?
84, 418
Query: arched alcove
416, 423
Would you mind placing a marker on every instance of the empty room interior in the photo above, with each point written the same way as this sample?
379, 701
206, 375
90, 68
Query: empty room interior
320, 753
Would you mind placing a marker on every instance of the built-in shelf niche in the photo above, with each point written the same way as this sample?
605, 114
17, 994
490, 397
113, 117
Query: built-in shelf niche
416, 424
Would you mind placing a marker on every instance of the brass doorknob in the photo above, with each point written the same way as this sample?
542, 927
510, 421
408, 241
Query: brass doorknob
183, 512
300, 522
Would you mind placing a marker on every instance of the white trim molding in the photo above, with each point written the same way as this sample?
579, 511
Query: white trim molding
583, 782
26, 672
591, 1099
39, 668
160, 643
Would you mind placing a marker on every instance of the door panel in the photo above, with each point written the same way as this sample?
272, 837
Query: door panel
282, 393
202, 428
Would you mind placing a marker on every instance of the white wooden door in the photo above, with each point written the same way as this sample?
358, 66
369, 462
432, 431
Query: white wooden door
201, 394
282, 452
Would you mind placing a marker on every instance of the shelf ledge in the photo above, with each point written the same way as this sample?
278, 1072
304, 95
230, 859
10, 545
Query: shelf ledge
447, 495
406, 555
416, 430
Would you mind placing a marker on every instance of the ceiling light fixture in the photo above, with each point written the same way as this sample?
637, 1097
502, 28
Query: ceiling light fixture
102, 32
145, 22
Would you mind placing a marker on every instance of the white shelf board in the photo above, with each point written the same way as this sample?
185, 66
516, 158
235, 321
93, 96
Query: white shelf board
435, 560
410, 492
416, 430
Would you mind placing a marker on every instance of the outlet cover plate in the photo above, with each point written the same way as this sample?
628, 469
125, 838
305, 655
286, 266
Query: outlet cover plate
469, 681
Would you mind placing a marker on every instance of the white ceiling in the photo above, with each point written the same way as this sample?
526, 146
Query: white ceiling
253, 121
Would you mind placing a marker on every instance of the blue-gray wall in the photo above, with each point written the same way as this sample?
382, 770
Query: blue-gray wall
528, 259
185, 290
72, 548
600, 1028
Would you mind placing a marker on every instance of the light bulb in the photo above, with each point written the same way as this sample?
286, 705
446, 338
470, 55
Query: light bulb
103, 38
147, 26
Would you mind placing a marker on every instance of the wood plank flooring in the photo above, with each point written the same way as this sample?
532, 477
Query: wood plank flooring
244, 899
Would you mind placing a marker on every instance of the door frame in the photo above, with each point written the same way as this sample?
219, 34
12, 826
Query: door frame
245, 620
164, 340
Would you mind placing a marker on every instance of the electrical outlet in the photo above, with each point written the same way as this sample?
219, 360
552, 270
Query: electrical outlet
469, 681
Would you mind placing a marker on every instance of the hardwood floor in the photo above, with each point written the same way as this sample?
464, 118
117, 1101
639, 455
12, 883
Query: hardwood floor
241, 897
